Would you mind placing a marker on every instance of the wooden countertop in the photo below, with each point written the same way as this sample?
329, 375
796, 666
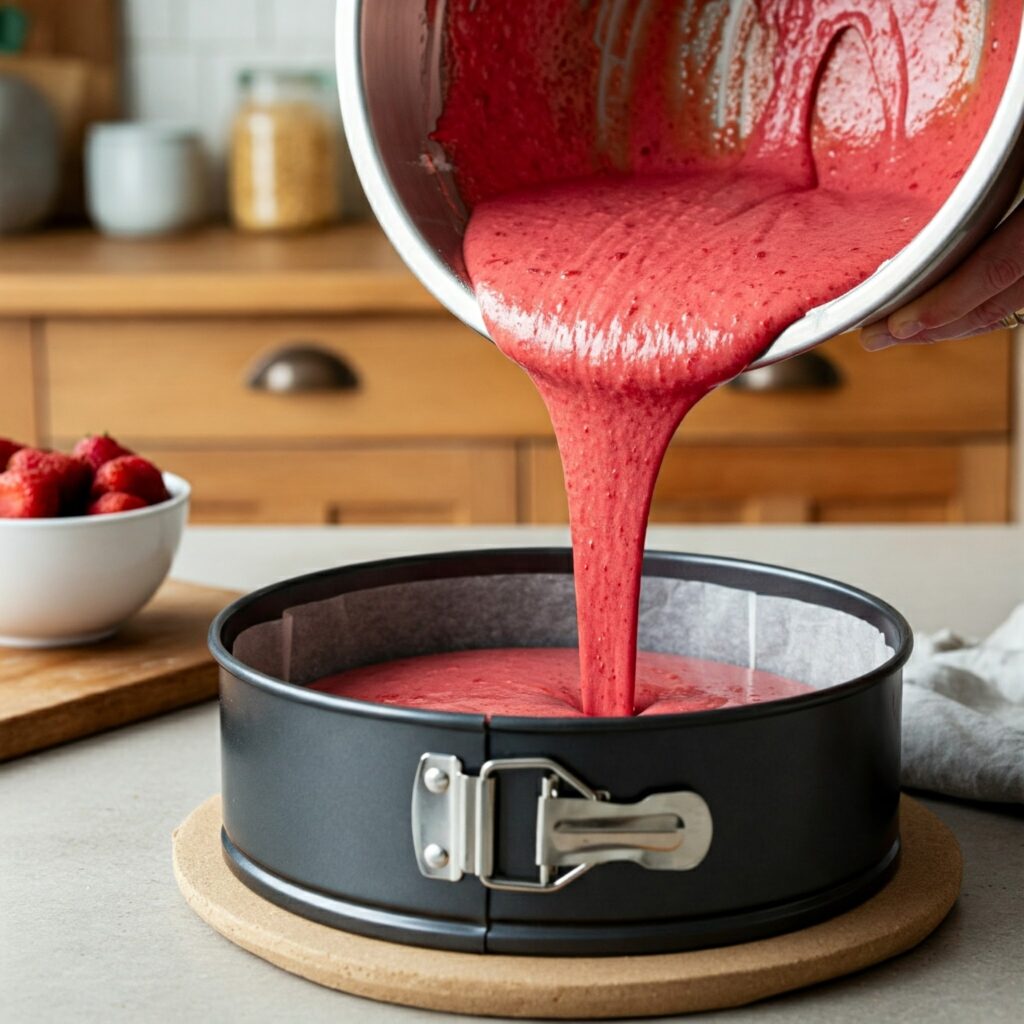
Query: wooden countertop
350, 268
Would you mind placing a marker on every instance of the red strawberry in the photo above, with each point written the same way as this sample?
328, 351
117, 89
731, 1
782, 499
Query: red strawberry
115, 501
7, 449
27, 495
130, 474
34, 460
72, 476
99, 449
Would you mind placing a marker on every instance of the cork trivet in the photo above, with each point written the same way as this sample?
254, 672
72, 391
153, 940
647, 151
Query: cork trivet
911, 906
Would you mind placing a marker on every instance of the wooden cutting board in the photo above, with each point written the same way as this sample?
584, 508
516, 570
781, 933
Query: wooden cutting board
74, 28
159, 661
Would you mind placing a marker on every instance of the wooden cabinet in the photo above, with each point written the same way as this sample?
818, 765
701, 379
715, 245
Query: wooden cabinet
158, 343
433, 425
419, 427
912, 434
17, 383
459, 484
909, 391
407, 377
828, 483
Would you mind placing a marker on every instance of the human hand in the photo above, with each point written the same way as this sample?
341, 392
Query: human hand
982, 294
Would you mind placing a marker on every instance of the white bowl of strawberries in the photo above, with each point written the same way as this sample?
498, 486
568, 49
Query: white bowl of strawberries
85, 540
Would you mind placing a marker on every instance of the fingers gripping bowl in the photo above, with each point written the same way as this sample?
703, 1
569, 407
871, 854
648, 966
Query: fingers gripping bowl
67, 581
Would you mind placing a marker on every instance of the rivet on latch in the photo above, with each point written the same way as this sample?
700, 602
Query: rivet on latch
435, 780
436, 856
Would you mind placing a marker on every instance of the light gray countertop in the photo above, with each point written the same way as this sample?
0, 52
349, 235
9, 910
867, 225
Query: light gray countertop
92, 925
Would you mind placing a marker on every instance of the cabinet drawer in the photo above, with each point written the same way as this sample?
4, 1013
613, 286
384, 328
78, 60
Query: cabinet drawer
418, 376
17, 388
373, 484
428, 376
806, 483
911, 390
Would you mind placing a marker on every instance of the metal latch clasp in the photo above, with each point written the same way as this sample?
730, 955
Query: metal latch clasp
453, 825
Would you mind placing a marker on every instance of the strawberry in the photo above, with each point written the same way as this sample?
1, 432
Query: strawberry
113, 502
28, 495
7, 449
99, 449
130, 474
71, 476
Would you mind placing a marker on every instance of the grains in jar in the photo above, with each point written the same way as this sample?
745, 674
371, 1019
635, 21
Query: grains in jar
284, 152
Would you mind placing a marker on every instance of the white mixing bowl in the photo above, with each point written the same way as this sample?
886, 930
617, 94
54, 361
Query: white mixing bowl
75, 580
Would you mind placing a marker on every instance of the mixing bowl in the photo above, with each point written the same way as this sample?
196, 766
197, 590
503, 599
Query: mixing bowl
389, 56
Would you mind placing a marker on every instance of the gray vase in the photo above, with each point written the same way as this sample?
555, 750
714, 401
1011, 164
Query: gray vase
29, 155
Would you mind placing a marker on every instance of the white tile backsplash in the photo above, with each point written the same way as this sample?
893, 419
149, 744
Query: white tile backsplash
183, 57
149, 21
232, 22
164, 84
305, 20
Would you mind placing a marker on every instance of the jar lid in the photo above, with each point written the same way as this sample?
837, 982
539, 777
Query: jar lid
270, 84
133, 131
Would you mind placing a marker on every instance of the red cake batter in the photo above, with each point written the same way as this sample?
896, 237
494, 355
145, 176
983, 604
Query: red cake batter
656, 190
632, 252
544, 682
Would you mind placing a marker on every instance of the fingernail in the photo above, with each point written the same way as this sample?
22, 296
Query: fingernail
906, 330
875, 341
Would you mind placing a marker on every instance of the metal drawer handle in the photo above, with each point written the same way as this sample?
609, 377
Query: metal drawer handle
302, 367
808, 372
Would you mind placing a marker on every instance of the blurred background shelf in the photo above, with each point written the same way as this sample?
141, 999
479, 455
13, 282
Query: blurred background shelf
215, 270
161, 344
309, 378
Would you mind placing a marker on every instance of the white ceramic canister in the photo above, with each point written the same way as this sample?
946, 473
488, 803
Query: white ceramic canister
144, 178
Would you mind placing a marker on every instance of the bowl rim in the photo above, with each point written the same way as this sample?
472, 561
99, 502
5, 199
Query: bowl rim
179, 488
933, 252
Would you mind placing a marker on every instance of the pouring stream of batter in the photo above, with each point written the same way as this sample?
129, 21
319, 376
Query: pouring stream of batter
656, 190
629, 296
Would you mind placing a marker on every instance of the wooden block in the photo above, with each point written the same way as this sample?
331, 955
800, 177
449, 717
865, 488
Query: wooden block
158, 662
902, 914
64, 81
82, 28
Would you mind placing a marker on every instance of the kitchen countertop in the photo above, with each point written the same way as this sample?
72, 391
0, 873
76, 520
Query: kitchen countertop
92, 925
350, 268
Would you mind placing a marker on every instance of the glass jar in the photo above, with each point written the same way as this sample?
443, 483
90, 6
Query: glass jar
284, 152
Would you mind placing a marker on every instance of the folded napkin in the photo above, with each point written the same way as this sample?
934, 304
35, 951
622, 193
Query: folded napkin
963, 714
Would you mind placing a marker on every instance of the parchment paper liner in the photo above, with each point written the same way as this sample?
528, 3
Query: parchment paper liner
803, 641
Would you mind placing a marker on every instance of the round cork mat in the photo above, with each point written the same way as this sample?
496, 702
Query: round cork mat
910, 906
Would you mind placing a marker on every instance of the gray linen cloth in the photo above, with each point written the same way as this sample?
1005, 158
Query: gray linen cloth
963, 714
